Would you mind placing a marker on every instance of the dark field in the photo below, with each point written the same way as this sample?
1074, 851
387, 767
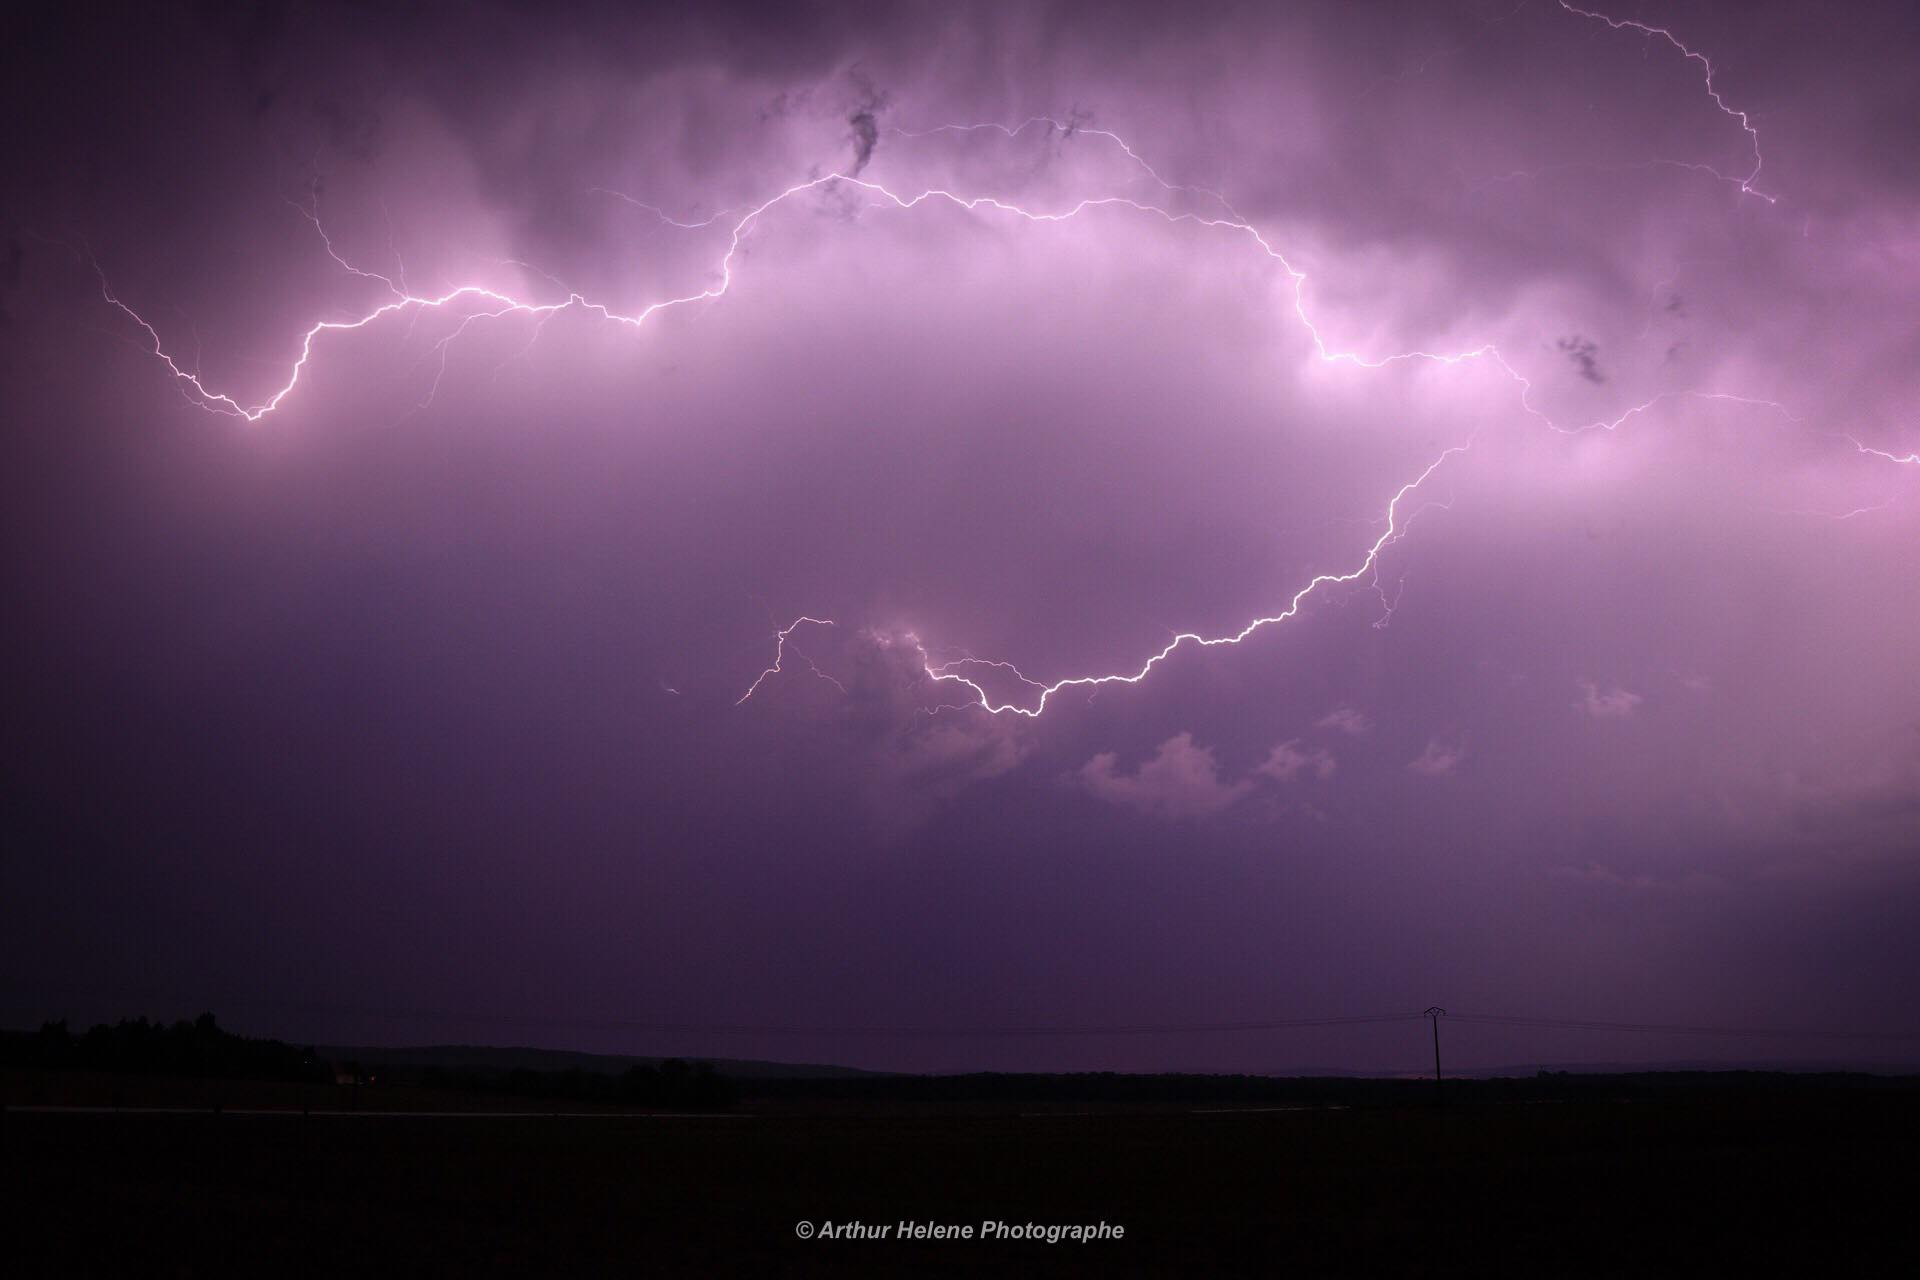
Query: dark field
1693, 1182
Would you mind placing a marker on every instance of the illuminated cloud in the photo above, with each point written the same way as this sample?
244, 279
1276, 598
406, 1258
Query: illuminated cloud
1181, 780
1438, 760
1346, 720
1614, 703
1290, 760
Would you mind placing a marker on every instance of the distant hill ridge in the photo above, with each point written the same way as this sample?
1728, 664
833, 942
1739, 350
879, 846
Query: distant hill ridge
492, 1058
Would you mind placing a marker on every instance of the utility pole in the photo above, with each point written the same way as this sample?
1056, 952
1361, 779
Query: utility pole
1433, 1014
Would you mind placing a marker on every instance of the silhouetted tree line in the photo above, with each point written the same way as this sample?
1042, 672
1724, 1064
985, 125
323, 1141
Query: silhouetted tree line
200, 1048
135, 1046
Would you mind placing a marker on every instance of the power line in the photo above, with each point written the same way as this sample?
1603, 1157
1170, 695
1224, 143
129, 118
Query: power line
904, 1032
1433, 1014
1661, 1028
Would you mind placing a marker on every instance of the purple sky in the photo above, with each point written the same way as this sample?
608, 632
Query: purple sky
407, 711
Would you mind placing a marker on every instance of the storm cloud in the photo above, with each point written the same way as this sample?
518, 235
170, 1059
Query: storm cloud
417, 702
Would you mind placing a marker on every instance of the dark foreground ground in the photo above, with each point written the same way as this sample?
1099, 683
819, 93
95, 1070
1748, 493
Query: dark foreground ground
1809, 1181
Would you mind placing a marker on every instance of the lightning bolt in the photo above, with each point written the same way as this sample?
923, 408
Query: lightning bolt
944, 674
780, 656
1902, 459
474, 302
657, 211
1706, 67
